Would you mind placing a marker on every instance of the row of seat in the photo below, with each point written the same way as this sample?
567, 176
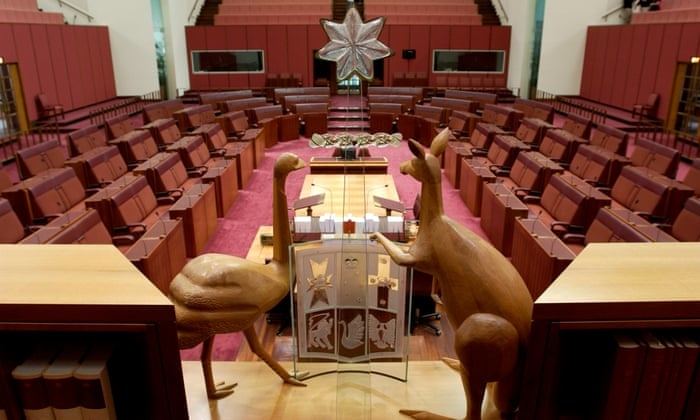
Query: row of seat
276, 19
166, 207
391, 8
540, 208
458, 81
397, 18
667, 16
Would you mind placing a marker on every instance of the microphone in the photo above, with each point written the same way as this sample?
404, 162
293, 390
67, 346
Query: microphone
330, 192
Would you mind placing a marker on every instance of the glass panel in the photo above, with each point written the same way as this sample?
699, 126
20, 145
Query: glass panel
469, 61
228, 61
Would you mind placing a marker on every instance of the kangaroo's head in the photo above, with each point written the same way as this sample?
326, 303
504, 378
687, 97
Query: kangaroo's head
425, 167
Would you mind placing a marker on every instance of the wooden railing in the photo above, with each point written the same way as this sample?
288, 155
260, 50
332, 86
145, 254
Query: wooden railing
568, 105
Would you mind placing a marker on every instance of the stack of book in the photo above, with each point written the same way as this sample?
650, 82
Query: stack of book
62, 382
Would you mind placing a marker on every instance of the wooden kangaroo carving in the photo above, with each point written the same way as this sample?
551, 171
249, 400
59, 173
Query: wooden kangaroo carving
485, 298
218, 293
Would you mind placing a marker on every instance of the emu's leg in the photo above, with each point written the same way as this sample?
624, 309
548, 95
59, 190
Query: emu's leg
215, 391
252, 336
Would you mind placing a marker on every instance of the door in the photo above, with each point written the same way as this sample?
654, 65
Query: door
684, 115
13, 118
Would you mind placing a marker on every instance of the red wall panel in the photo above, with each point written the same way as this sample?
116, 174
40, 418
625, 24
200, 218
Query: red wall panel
459, 37
216, 40
42, 55
611, 57
27, 66
196, 40
287, 50
621, 66
601, 43
277, 49
439, 40
96, 63
399, 39
299, 57
634, 65
587, 65
479, 37
236, 40
70, 46
60, 69
667, 66
384, 38
88, 84
257, 40
107, 65
647, 81
419, 39
690, 35
7, 47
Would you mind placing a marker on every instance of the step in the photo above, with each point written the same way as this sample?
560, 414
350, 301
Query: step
347, 125
345, 115
357, 109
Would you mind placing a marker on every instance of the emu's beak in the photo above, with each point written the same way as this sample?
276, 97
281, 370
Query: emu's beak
300, 164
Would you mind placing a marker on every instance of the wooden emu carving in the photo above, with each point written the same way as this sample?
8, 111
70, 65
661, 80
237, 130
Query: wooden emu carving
218, 293
485, 298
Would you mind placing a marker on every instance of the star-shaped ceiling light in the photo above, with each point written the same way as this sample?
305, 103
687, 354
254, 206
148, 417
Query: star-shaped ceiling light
354, 45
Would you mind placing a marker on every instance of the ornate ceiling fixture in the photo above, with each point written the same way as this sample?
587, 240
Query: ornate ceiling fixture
354, 45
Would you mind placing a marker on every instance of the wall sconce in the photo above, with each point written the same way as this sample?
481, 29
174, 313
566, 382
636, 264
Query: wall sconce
695, 60
2, 60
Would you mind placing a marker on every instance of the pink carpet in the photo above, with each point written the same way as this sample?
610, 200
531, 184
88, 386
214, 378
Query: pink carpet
252, 209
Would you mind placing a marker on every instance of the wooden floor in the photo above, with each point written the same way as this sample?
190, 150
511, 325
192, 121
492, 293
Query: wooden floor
260, 394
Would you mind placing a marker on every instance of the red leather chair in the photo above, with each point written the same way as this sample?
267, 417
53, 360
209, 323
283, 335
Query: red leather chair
647, 109
46, 108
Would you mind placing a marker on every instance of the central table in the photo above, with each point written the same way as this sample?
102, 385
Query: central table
348, 194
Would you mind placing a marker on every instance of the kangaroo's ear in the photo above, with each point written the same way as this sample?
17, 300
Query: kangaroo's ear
440, 143
416, 149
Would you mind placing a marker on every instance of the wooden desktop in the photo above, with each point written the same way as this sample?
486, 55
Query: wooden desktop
358, 193
609, 287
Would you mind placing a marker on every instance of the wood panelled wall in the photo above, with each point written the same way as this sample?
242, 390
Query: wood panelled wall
623, 64
71, 64
289, 48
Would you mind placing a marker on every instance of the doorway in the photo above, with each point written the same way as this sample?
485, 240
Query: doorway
684, 116
13, 117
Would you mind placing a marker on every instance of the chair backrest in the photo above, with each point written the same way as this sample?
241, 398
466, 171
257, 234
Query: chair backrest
607, 227
208, 98
43, 102
161, 110
104, 165
136, 146
264, 112
610, 139
406, 101
5, 181
38, 158
431, 112
535, 109
502, 116
482, 98
55, 194
578, 126
170, 174
560, 145
241, 104
133, 204
88, 229
193, 151
526, 172
687, 225
311, 108
213, 136
653, 101
483, 135
291, 101
504, 150
118, 126
455, 104
164, 131
655, 156
12, 230
563, 201
86, 139
638, 192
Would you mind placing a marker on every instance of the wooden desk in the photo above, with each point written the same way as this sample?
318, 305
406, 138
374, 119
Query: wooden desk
473, 176
244, 155
454, 153
610, 286
331, 165
82, 292
224, 175
160, 253
357, 198
197, 209
538, 254
499, 209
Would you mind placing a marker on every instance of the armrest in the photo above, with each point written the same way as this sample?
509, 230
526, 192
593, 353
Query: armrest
575, 238
531, 199
197, 171
136, 228
166, 200
557, 225
32, 228
479, 152
123, 240
218, 152
499, 170
177, 192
